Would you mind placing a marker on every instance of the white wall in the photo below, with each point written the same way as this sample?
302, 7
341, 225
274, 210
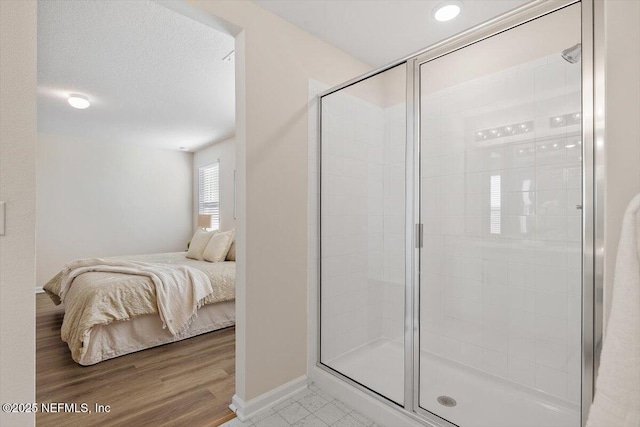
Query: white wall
278, 59
622, 140
97, 198
18, 189
225, 152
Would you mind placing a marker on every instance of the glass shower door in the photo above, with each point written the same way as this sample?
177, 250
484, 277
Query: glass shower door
362, 226
500, 274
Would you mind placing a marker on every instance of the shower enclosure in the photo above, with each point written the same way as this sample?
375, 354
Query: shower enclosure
457, 225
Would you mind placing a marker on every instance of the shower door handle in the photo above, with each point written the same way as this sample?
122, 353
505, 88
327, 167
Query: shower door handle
418, 236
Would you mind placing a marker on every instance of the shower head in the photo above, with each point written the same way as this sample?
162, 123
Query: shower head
572, 54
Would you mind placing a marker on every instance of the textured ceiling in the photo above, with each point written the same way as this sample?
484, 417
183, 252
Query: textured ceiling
381, 31
154, 77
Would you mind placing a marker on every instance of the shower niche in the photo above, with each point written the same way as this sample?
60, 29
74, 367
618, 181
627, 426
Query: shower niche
454, 278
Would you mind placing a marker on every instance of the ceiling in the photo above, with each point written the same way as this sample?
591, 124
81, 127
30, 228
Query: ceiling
154, 77
380, 31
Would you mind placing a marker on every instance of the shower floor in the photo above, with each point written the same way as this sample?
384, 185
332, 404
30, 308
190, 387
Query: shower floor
482, 401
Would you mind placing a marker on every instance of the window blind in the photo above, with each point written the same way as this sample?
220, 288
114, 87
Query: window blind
209, 192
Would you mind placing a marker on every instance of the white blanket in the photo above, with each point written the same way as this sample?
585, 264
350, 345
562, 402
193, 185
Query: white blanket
180, 289
617, 399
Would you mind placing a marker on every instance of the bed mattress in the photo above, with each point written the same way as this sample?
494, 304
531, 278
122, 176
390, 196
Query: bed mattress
124, 337
108, 314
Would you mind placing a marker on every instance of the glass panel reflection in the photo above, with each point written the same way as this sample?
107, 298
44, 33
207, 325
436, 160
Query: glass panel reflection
500, 282
362, 232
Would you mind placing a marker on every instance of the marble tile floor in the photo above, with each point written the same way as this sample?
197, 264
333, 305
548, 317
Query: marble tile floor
309, 408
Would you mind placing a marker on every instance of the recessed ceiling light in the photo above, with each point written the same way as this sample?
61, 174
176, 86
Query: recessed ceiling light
183, 148
78, 101
447, 10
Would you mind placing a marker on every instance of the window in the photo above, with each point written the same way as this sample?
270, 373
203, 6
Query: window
209, 192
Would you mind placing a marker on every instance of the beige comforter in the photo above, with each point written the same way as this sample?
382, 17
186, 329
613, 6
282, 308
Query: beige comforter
102, 297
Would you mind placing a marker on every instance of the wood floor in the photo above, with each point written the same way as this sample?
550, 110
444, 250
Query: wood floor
188, 383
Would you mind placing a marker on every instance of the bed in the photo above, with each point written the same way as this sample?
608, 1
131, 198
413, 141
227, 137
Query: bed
110, 314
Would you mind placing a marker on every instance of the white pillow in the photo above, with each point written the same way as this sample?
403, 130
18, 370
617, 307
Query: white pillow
198, 243
231, 255
218, 246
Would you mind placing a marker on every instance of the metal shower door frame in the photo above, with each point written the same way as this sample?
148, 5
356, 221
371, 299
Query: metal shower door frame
592, 189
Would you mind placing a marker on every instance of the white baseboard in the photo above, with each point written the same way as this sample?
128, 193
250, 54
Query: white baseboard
246, 410
39, 290
379, 412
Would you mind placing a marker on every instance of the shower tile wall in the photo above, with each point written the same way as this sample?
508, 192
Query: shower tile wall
352, 224
501, 265
362, 223
394, 220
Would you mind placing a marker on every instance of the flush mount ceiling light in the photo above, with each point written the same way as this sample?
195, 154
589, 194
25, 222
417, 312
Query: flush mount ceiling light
78, 101
447, 10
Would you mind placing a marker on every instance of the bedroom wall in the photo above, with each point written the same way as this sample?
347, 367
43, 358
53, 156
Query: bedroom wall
18, 189
225, 151
97, 198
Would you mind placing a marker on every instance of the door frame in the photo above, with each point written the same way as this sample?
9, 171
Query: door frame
592, 183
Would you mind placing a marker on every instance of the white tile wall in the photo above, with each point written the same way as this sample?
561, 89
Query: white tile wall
363, 223
501, 286
394, 220
352, 251
501, 272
